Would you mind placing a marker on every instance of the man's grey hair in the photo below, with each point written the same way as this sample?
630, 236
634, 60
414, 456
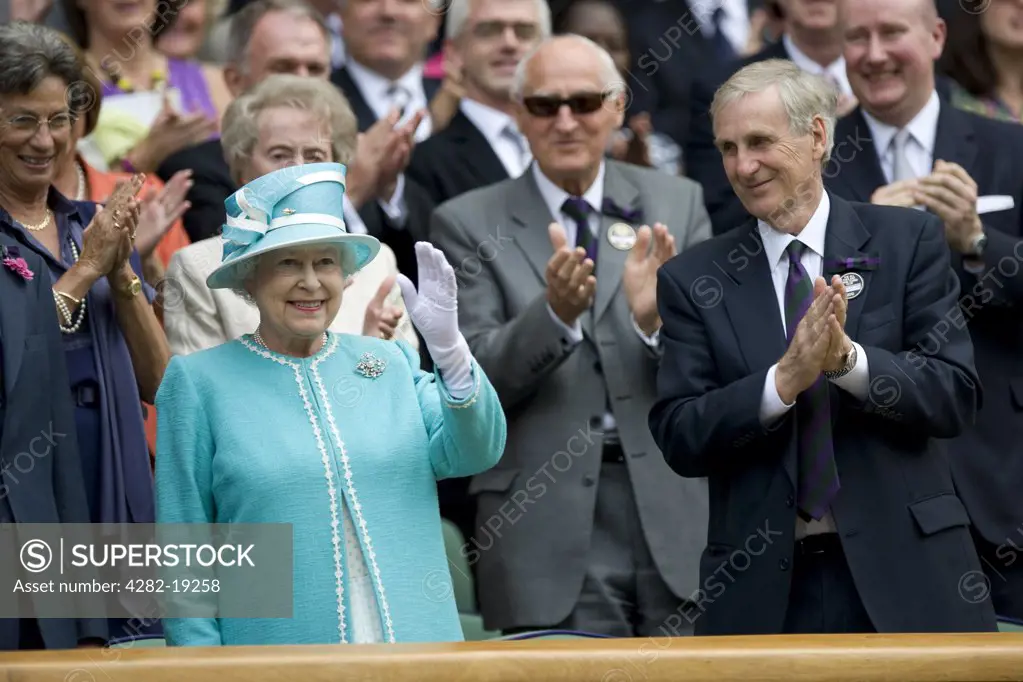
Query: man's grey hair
459, 10
243, 25
609, 75
805, 96
240, 128
29, 53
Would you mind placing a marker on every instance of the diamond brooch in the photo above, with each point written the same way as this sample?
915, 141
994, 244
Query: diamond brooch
370, 366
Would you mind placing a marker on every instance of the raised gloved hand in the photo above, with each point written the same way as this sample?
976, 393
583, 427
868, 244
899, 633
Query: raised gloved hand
433, 309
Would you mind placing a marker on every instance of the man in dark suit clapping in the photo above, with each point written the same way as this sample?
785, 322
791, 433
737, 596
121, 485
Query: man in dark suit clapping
795, 377
915, 149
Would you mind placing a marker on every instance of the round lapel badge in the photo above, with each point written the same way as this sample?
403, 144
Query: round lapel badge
853, 282
621, 236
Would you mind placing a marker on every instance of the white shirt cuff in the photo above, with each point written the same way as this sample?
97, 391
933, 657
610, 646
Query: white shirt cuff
394, 208
353, 221
857, 381
771, 405
573, 334
653, 340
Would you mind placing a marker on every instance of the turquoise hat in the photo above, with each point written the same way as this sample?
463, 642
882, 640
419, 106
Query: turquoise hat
294, 206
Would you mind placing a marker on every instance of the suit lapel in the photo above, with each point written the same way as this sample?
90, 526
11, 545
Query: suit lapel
12, 326
954, 139
363, 112
855, 162
474, 151
843, 242
611, 261
753, 308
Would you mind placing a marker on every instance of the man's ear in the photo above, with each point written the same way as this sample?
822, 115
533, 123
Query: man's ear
233, 80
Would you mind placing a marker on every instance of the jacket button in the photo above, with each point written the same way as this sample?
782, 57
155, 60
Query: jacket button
598, 368
783, 564
595, 422
589, 481
789, 501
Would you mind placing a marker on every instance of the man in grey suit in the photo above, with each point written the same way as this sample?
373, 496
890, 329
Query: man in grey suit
581, 525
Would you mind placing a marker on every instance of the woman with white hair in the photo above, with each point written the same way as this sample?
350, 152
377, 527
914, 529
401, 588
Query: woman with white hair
341, 436
284, 121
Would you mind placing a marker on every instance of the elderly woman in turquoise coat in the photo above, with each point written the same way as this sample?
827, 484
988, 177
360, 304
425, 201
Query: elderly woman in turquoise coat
341, 436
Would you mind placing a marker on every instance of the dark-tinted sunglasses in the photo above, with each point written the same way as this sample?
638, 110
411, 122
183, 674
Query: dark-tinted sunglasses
548, 106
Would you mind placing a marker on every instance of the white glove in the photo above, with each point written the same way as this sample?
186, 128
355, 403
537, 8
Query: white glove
433, 309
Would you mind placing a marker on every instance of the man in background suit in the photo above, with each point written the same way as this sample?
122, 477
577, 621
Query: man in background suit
812, 39
562, 318
670, 42
908, 146
256, 50
386, 43
795, 379
40, 471
486, 39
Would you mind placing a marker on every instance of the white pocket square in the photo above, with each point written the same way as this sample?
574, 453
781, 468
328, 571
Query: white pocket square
994, 202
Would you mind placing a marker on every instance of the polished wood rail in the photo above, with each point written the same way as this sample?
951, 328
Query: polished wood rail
825, 658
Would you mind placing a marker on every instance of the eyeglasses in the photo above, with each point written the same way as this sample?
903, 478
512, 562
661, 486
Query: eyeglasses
488, 30
29, 125
548, 106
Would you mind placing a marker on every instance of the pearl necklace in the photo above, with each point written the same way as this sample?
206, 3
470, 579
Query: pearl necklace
38, 226
259, 339
82, 183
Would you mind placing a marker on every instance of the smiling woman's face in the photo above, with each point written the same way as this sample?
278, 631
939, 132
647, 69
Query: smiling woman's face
34, 136
298, 291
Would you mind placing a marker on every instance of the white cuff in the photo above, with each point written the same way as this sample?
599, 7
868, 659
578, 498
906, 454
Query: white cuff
857, 381
394, 208
771, 405
353, 221
654, 340
573, 334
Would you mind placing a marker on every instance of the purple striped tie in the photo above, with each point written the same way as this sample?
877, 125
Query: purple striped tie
580, 210
818, 474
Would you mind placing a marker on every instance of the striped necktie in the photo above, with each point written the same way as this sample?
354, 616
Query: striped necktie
580, 210
818, 474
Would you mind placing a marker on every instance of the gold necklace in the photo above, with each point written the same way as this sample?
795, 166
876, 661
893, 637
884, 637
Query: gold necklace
40, 225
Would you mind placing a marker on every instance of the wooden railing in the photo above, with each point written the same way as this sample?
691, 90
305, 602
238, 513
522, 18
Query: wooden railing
825, 658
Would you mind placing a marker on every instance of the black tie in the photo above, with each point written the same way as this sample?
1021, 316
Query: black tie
722, 47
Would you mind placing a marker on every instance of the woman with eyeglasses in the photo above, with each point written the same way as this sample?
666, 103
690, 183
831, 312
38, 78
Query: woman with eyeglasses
115, 349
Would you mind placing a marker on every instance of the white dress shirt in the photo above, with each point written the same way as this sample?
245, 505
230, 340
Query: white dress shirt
337, 43
501, 132
923, 131
835, 71
734, 24
376, 90
554, 197
855, 382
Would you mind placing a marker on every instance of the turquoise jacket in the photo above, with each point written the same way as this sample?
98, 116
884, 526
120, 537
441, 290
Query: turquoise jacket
340, 452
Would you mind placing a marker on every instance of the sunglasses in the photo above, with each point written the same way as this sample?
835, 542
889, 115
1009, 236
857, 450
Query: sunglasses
549, 106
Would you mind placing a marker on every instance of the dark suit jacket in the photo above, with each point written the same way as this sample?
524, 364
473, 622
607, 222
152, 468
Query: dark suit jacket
454, 161
987, 459
904, 531
703, 160
213, 185
37, 422
401, 239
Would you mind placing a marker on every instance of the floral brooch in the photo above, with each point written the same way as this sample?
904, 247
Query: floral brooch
12, 260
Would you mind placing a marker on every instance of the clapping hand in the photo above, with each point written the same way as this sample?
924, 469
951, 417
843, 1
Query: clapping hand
571, 285
840, 343
640, 276
160, 210
107, 240
433, 307
950, 193
381, 317
804, 360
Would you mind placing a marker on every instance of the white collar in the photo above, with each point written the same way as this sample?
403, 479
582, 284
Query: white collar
374, 86
491, 122
835, 69
555, 197
923, 128
775, 241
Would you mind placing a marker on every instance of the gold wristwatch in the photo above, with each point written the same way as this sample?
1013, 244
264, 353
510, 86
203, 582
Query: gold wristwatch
133, 288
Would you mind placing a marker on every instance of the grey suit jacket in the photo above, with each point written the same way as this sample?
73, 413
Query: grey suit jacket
535, 509
40, 472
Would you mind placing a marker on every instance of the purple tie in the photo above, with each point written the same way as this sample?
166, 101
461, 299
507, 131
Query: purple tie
579, 210
818, 474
